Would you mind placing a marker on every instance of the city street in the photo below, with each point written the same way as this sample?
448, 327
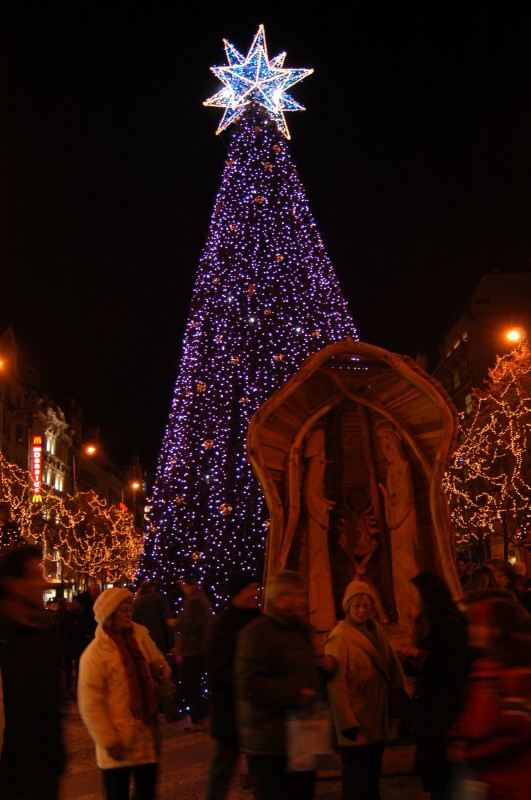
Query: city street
185, 762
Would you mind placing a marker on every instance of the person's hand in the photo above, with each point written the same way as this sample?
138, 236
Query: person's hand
116, 751
351, 733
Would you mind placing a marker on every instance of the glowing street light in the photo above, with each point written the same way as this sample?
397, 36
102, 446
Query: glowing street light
515, 335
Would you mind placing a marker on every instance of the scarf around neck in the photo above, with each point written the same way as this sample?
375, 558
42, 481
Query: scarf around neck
142, 696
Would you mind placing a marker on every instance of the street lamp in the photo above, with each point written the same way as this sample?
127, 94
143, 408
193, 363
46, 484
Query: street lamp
87, 450
134, 486
515, 335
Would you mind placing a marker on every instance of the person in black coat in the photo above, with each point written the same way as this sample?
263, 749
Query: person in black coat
33, 753
439, 659
244, 602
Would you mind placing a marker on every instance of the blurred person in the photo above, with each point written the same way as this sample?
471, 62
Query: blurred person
2, 716
462, 572
481, 577
151, 608
508, 579
504, 574
358, 691
439, 659
244, 606
77, 630
33, 754
276, 671
116, 697
89, 598
470, 567
491, 739
192, 626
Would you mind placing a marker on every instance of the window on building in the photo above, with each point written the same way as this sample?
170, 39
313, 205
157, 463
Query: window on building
468, 403
456, 379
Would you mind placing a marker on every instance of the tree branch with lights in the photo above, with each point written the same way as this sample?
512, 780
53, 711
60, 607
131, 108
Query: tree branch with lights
92, 538
488, 481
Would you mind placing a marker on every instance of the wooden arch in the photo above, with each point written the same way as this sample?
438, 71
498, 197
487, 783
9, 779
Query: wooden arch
321, 446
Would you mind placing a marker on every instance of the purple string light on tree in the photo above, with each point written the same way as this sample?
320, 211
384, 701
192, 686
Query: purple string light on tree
265, 297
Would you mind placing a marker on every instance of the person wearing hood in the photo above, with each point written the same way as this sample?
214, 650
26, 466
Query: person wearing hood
277, 671
243, 590
116, 697
358, 692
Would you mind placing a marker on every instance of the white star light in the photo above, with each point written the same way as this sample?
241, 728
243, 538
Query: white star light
257, 78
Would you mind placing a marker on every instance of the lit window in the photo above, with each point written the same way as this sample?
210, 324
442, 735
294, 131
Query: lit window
456, 378
468, 403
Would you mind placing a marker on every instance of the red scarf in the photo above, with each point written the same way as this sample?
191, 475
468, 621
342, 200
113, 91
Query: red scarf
143, 704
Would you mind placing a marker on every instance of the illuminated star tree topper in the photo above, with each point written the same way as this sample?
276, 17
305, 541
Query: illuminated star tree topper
255, 78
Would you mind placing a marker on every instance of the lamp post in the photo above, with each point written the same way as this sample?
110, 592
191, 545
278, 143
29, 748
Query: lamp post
134, 486
87, 450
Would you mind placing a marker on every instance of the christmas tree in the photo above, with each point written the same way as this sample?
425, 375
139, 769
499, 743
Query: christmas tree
265, 298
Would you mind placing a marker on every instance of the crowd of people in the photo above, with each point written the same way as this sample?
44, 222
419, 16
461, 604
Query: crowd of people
245, 671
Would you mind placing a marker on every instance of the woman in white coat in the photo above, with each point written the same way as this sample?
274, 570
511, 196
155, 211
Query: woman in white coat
358, 691
116, 697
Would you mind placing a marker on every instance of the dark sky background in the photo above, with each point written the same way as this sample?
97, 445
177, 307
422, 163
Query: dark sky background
414, 152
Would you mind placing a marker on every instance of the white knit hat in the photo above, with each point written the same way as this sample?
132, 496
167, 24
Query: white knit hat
108, 601
356, 587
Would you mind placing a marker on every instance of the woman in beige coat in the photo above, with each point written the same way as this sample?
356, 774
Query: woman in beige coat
116, 697
358, 691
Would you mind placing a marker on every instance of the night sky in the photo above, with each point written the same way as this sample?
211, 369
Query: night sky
414, 152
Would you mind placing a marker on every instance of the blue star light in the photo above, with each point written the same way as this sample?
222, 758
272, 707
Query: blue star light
255, 78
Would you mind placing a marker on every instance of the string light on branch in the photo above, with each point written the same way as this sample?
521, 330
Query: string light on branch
275, 277
90, 534
488, 481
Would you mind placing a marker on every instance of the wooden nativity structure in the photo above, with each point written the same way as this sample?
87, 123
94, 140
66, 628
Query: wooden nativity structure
350, 453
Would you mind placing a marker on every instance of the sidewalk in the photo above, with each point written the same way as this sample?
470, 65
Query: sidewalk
185, 760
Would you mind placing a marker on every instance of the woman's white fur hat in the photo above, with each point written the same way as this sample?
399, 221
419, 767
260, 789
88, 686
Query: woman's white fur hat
108, 601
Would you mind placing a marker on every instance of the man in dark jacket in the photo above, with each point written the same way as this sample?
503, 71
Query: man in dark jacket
192, 627
244, 602
152, 609
276, 670
32, 758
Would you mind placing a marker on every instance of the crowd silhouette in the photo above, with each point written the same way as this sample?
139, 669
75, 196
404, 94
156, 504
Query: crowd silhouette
254, 665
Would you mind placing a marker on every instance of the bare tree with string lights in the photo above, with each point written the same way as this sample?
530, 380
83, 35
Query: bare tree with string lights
489, 479
265, 298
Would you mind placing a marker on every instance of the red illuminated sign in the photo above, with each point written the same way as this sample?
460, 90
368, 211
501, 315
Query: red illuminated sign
36, 468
